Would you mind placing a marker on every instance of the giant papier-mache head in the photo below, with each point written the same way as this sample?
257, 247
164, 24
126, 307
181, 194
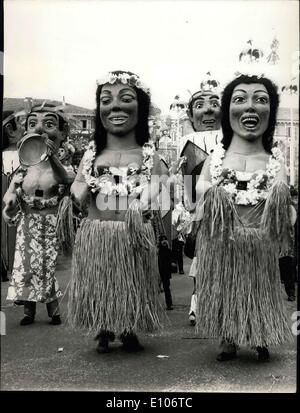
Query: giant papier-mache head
49, 119
248, 79
204, 106
143, 102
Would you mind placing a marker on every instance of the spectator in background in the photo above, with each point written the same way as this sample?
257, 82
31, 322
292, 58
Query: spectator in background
179, 219
288, 261
65, 154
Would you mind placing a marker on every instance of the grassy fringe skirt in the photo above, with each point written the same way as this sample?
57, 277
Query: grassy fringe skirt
238, 285
115, 284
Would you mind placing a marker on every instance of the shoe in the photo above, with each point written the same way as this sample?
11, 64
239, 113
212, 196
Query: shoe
170, 307
226, 356
19, 302
104, 338
291, 298
26, 320
263, 354
192, 319
131, 343
56, 320
173, 268
181, 272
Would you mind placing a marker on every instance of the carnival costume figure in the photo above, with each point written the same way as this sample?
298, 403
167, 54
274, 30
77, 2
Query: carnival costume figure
245, 224
115, 279
32, 202
12, 133
205, 115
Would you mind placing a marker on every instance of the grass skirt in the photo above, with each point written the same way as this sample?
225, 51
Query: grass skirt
115, 283
239, 297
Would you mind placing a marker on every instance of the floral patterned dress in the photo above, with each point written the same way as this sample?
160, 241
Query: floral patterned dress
33, 275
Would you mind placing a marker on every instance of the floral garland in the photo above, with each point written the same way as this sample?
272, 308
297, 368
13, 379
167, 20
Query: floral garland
40, 203
132, 180
245, 188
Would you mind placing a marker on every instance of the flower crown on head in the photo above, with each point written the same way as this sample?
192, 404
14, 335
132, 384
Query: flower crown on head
249, 73
208, 84
125, 78
258, 69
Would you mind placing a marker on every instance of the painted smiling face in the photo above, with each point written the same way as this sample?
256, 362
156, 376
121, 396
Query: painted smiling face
206, 112
249, 110
118, 108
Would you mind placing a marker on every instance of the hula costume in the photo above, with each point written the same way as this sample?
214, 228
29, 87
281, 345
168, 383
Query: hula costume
245, 225
115, 277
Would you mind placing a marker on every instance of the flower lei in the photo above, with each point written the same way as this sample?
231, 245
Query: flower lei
132, 180
40, 203
245, 188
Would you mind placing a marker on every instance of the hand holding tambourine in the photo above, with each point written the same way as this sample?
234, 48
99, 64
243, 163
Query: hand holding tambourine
51, 146
35, 148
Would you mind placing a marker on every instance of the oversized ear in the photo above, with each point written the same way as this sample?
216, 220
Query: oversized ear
188, 112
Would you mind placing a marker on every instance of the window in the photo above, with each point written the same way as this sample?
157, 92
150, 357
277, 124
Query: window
84, 122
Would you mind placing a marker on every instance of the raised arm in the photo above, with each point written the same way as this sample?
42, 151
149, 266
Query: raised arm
151, 191
79, 189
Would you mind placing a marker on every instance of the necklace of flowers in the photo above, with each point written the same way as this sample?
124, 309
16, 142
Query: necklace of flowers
38, 202
41, 203
245, 188
133, 180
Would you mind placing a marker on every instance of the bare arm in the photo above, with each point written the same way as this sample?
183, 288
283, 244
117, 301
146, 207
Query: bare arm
151, 191
282, 177
79, 189
204, 181
10, 197
59, 170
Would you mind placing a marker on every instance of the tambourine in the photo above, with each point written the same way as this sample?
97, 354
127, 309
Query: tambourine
32, 149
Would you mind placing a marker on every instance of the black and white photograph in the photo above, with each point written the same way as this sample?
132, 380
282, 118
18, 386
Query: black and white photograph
150, 178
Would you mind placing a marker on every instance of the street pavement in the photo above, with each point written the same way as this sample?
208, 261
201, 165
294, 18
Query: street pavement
45, 357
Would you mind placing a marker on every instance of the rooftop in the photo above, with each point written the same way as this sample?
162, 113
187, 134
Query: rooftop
17, 104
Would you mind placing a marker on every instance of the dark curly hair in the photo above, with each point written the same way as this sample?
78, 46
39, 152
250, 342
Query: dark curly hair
267, 139
142, 127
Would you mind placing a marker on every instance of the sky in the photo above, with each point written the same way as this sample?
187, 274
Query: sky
60, 47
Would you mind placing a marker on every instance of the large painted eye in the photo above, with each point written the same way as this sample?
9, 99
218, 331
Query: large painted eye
262, 99
238, 99
215, 104
198, 105
105, 100
31, 123
49, 124
127, 98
